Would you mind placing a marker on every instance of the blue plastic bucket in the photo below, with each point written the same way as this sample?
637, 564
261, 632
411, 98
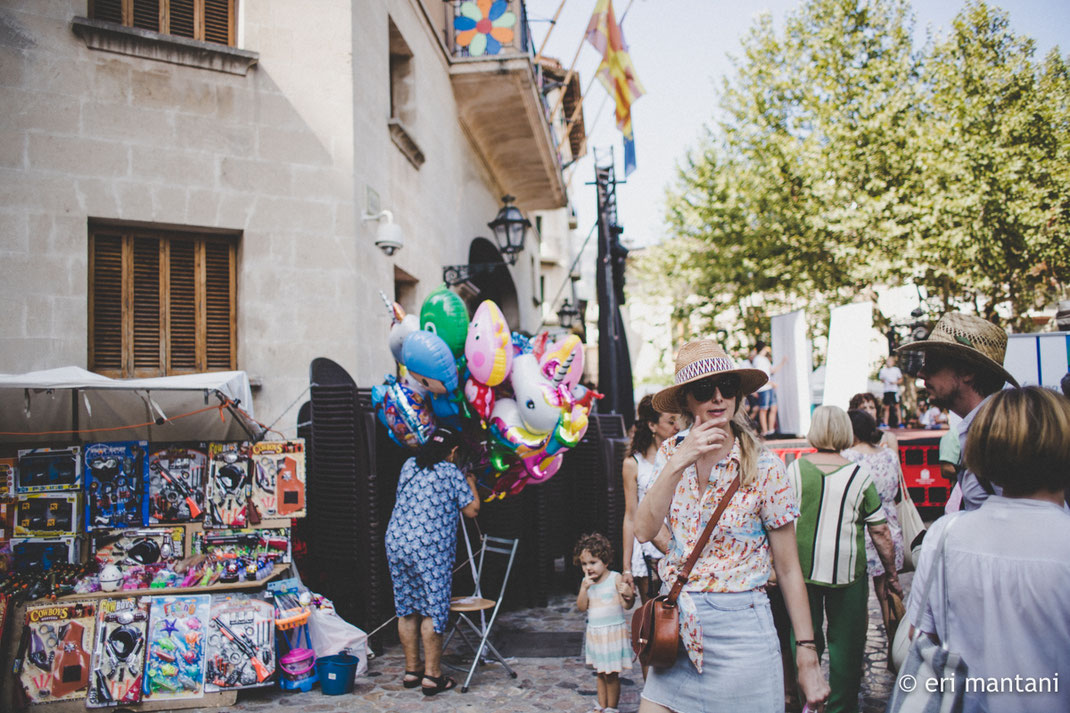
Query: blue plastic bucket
336, 673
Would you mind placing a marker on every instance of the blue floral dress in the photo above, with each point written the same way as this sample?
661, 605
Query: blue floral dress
421, 539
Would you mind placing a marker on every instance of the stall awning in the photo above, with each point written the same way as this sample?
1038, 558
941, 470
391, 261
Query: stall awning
72, 405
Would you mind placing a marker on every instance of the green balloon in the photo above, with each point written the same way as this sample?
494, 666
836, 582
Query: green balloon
445, 314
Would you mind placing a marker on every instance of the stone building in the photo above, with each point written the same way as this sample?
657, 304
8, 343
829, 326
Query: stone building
201, 184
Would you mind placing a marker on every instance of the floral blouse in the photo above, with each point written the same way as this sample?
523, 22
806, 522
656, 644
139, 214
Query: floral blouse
737, 556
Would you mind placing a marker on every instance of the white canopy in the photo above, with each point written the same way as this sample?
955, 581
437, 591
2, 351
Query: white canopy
36, 405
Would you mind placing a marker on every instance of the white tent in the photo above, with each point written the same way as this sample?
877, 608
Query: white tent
72, 405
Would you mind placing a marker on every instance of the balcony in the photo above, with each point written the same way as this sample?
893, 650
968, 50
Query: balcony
499, 93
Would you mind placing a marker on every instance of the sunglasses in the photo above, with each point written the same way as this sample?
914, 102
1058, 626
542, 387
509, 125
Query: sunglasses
703, 389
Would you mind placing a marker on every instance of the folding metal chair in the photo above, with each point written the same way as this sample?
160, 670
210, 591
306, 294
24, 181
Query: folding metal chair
465, 606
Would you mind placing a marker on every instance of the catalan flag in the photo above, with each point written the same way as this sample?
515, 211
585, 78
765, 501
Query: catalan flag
616, 72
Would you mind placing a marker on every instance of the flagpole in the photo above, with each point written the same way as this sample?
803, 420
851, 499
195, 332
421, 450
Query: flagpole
553, 24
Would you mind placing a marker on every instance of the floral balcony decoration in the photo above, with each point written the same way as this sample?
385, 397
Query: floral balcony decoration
484, 26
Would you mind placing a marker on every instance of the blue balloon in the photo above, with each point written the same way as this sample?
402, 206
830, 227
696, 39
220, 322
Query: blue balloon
430, 362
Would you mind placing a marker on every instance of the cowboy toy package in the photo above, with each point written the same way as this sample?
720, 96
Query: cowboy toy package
174, 665
241, 643
177, 479
45, 469
56, 664
229, 486
115, 484
119, 652
279, 478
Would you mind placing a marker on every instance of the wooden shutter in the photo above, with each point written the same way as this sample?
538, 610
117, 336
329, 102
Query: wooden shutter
219, 21
219, 305
182, 18
106, 304
148, 344
161, 303
182, 284
107, 10
146, 15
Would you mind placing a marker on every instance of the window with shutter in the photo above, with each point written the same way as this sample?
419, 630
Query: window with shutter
206, 20
161, 302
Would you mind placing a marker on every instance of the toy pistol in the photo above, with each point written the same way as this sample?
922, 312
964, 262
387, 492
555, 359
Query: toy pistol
183, 489
246, 647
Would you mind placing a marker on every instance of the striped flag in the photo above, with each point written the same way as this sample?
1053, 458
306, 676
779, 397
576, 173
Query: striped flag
616, 72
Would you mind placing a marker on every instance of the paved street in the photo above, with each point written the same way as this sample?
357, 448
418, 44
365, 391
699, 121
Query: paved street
543, 683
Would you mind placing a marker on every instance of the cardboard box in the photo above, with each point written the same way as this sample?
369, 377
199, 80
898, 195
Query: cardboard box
42, 470
48, 514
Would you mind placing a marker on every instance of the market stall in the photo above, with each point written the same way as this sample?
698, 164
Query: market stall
144, 522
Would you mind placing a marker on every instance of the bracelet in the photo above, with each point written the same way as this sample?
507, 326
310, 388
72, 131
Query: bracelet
627, 571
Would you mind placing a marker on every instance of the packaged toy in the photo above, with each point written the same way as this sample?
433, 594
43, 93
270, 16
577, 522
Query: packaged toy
178, 475
48, 514
174, 666
229, 485
54, 653
241, 643
279, 478
44, 469
115, 484
43, 552
144, 546
119, 652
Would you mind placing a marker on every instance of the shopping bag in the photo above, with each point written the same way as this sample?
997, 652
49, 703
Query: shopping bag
910, 522
331, 634
929, 661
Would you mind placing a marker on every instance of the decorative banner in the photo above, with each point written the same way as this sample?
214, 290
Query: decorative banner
793, 378
847, 366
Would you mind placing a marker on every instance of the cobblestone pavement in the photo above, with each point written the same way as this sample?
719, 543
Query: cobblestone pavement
560, 683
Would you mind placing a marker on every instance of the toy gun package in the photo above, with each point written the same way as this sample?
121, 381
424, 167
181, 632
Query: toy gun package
177, 481
52, 662
241, 643
119, 652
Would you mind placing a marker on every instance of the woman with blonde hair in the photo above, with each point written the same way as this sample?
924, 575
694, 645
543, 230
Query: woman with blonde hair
730, 657
838, 501
999, 599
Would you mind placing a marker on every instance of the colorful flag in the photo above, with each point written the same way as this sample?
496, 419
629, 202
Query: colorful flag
616, 72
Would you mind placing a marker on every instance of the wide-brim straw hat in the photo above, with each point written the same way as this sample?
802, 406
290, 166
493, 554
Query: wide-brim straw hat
969, 338
697, 360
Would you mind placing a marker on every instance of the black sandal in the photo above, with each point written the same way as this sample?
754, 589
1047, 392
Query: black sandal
442, 683
415, 681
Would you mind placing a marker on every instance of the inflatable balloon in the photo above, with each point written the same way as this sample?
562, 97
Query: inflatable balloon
480, 397
536, 396
405, 413
562, 362
507, 426
489, 347
445, 314
399, 331
429, 362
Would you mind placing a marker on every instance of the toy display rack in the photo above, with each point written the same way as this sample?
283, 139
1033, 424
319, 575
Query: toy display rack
168, 591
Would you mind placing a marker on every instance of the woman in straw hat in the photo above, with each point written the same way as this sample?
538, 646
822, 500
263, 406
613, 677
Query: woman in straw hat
730, 659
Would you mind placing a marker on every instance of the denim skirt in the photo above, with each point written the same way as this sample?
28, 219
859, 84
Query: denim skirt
741, 670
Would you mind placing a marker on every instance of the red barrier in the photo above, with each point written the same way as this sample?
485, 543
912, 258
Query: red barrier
921, 470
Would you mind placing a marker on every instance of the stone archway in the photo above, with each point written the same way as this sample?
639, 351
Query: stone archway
494, 284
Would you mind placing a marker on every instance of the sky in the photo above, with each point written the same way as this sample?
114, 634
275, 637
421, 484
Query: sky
681, 50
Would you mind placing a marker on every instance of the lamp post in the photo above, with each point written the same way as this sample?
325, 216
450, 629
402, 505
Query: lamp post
566, 316
509, 226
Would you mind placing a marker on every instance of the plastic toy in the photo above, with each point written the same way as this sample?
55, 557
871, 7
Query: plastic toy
115, 484
119, 652
110, 578
175, 662
46, 469
146, 546
279, 478
229, 485
241, 644
58, 662
177, 480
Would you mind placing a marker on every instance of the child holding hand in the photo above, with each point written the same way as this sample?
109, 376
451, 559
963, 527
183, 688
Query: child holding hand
605, 596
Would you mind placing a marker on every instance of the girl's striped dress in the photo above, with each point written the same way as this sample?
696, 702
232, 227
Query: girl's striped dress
608, 648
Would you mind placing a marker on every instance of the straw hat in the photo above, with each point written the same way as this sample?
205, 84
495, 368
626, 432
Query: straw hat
699, 359
969, 338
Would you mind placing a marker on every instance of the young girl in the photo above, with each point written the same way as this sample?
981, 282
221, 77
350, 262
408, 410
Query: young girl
605, 596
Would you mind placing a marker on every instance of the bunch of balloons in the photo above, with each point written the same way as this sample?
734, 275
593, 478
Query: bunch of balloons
517, 401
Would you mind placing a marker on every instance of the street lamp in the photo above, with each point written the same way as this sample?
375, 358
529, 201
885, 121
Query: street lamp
566, 316
509, 228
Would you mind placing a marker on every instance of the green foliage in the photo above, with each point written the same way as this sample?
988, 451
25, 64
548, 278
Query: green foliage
846, 159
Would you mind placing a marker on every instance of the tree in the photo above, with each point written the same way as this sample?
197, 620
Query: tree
846, 161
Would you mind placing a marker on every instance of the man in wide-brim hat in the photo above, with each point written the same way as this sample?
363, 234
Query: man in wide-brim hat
963, 366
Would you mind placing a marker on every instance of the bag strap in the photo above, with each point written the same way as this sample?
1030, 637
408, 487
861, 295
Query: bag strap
682, 575
938, 568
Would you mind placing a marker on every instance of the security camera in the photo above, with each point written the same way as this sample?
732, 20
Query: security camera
388, 236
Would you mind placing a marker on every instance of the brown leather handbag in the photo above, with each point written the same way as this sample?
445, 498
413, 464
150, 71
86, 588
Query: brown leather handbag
656, 624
